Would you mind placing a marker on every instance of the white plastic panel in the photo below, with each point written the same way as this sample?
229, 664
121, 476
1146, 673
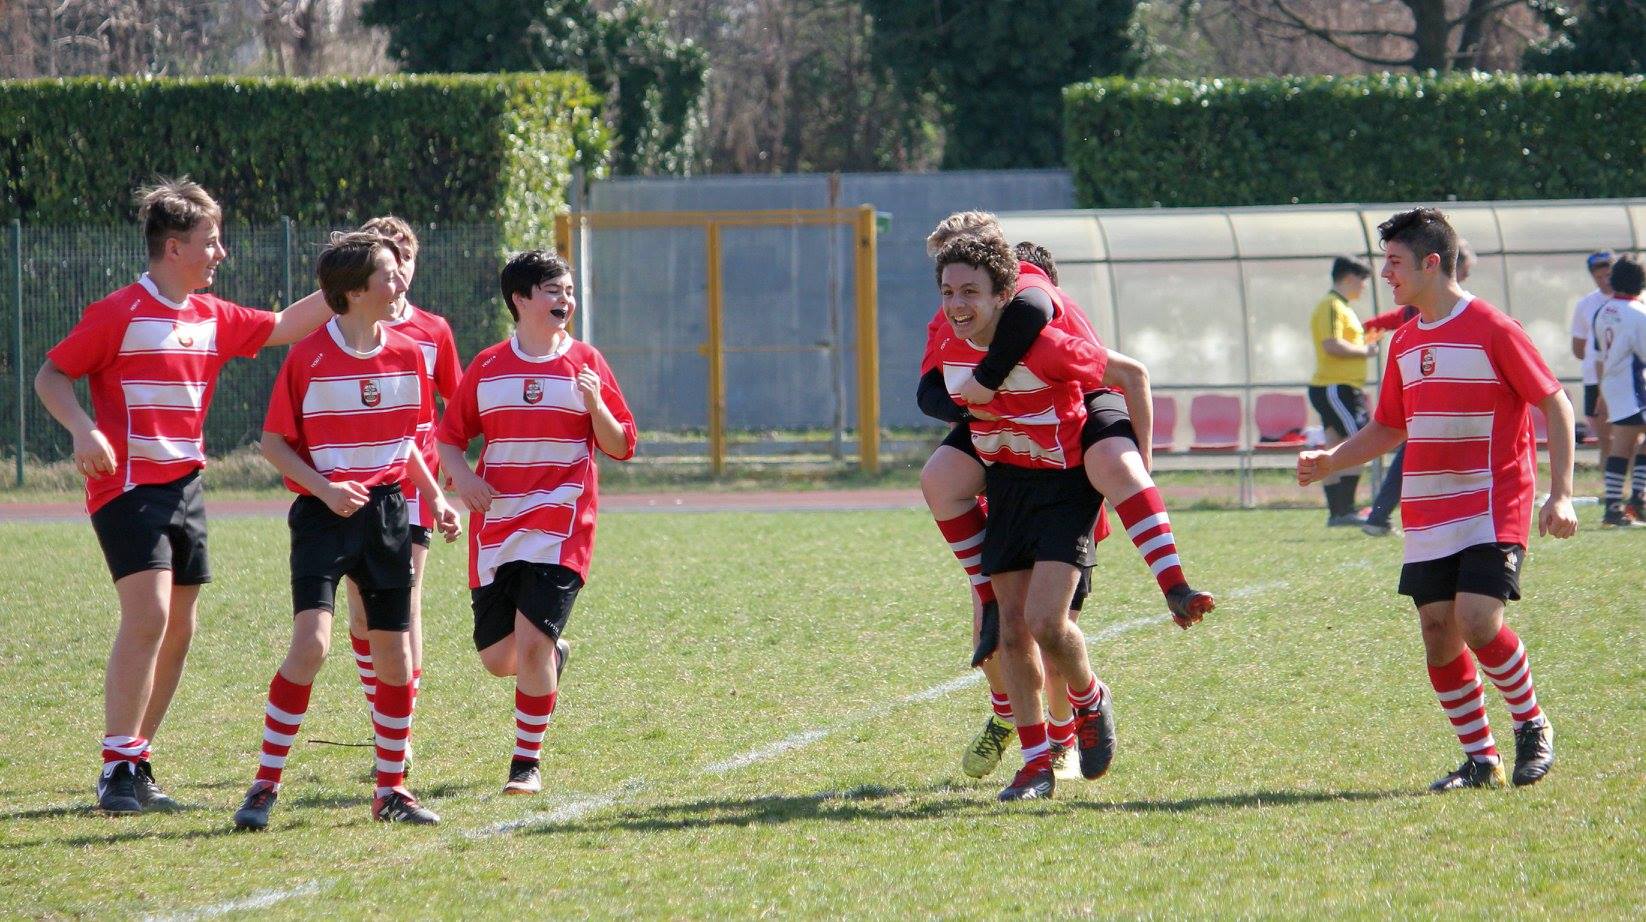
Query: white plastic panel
1167, 235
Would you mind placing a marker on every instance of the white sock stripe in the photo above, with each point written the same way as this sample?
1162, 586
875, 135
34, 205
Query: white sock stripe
278, 739
271, 761
1470, 727
1456, 693
977, 579
529, 736
283, 717
1476, 703
1515, 691
391, 744
1156, 543
393, 768
1515, 659
1516, 677
1034, 752
366, 672
1523, 709
125, 745
390, 723
975, 560
527, 753
1170, 560
1158, 518
1480, 745
966, 545
536, 720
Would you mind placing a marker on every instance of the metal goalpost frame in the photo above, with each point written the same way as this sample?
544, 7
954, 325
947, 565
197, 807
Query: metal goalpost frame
568, 228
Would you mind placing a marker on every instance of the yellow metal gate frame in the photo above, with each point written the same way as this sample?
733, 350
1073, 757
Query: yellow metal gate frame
861, 219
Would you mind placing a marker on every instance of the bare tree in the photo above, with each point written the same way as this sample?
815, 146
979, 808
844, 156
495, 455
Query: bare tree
1424, 35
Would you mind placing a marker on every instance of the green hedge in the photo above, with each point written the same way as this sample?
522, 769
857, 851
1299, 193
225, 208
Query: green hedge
1141, 143
459, 149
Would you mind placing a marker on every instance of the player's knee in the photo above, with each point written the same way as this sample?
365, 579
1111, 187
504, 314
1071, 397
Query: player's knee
938, 486
498, 659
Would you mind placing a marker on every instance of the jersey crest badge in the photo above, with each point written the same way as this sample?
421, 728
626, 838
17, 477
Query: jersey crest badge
184, 338
369, 394
1427, 365
533, 392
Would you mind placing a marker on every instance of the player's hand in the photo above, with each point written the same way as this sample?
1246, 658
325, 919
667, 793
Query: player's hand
1313, 466
93, 455
975, 393
588, 384
1558, 518
447, 520
477, 494
345, 498
1372, 336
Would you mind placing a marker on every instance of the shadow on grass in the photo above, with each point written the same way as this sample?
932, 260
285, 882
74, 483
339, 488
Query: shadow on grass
939, 801
134, 833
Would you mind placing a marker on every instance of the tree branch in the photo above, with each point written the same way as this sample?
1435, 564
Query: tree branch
1298, 23
1482, 12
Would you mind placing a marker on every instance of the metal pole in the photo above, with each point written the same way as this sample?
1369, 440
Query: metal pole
585, 279
837, 357
868, 344
716, 351
287, 224
17, 341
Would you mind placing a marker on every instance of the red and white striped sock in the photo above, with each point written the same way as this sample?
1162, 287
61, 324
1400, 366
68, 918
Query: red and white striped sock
117, 749
1001, 705
1144, 516
363, 665
1458, 689
965, 536
1062, 734
148, 751
531, 721
288, 702
391, 724
416, 685
1505, 661
1035, 746
1092, 696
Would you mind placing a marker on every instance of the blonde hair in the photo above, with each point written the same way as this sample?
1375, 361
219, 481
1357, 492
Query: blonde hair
173, 208
963, 223
395, 229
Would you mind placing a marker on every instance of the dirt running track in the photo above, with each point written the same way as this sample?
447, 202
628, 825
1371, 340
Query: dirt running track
740, 501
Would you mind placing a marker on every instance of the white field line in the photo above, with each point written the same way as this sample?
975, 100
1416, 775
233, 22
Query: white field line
262, 899
583, 806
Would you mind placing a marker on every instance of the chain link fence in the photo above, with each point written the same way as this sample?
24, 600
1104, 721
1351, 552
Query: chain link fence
49, 274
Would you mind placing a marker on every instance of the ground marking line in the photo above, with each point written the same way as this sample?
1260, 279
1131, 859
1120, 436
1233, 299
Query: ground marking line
585, 805
262, 899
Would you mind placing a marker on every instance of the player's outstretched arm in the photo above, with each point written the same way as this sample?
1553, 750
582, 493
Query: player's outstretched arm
1370, 442
342, 498
93, 455
445, 517
477, 494
1021, 321
1132, 377
1557, 517
303, 317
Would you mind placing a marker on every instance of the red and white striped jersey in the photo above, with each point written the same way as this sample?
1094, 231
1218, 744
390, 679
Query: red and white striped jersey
351, 415
1460, 388
538, 456
1066, 315
433, 336
153, 365
1040, 403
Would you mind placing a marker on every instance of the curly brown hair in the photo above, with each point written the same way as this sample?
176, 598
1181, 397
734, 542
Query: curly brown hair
990, 254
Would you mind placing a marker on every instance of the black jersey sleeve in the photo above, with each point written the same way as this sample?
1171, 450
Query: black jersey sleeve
934, 400
1024, 316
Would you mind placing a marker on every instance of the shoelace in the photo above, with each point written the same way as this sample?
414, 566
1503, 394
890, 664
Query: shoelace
993, 740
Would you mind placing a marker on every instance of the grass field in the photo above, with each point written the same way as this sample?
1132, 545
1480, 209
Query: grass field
764, 715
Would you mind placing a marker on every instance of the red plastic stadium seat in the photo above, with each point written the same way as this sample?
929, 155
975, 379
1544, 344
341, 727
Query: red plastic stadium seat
1216, 422
1280, 421
1165, 421
1540, 426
